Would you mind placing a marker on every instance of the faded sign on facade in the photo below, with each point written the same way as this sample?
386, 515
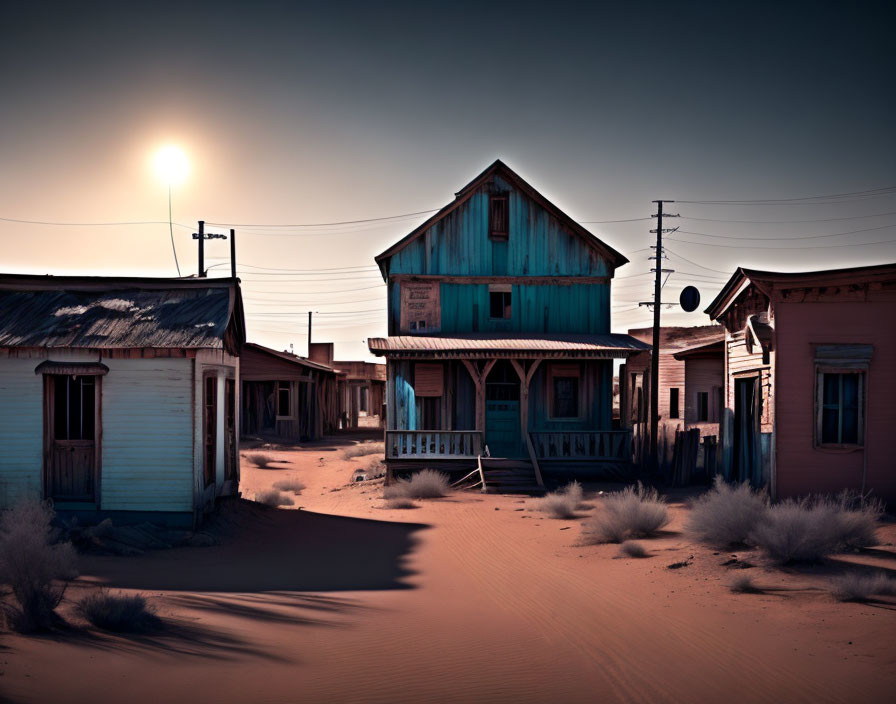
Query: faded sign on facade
420, 307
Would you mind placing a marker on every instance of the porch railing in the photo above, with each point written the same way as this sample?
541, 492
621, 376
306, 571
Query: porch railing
597, 445
437, 444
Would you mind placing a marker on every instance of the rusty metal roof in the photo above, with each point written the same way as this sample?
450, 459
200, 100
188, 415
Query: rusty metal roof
115, 313
288, 357
494, 344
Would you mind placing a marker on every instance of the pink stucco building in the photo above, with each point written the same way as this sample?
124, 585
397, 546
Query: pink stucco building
810, 380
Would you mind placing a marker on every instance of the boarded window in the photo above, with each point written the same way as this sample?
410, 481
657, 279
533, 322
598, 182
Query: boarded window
841, 407
498, 216
702, 406
74, 407
431, 413
429, 379
673, 403
284, 400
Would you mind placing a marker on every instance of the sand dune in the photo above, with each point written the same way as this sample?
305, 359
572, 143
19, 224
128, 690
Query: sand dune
465, 599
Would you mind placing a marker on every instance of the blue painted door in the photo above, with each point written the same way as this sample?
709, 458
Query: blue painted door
502, 412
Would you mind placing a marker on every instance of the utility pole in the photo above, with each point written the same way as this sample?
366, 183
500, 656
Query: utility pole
232, 253
201, 237
655, 352
309, 334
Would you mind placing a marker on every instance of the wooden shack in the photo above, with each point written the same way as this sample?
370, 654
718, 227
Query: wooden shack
691, 370
364, 391
499, 336
119, 396
286, 398
810, 378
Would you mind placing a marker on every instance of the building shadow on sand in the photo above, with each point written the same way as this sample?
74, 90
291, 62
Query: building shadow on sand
272, 550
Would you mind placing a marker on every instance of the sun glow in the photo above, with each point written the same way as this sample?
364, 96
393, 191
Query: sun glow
171, 164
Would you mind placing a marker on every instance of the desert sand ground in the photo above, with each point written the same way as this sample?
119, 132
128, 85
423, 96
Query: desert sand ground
470, 598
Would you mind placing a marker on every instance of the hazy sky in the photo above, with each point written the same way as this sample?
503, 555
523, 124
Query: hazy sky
298, 113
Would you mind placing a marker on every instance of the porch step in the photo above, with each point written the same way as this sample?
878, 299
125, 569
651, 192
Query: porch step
509, 476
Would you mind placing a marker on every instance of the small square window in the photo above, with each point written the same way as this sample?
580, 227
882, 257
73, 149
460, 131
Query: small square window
499, 304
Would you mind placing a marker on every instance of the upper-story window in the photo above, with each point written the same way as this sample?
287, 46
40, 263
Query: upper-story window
498, 216
499, 301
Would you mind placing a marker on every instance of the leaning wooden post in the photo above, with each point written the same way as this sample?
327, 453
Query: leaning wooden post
525, 376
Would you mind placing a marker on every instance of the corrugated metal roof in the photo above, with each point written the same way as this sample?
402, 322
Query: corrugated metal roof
295, 359
611, 344
91, 313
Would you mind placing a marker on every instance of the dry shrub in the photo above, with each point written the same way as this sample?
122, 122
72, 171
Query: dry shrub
260, 460
634, 512
854, 586
744, 584
273, 498
32, 562
425, 484
293, 485
362, 449
119, 612
400, 502
810, 529
631, 548
562, 503
726, 514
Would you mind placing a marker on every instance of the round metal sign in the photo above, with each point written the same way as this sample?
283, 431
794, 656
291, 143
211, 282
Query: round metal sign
690, 298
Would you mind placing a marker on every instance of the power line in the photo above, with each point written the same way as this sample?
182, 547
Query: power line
95, 224
326, 224
757, 246
785, 222
699, 266
834, 198
786, 239
300, 271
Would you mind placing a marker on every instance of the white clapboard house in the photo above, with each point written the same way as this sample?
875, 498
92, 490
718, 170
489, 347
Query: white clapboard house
118, 396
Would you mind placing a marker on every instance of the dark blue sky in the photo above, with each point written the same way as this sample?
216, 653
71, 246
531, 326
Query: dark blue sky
320, 112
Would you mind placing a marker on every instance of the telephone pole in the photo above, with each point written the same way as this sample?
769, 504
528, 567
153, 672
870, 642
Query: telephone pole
201, 237
309, 334
655, 353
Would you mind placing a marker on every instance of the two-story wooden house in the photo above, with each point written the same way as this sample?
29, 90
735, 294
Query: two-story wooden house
499, 336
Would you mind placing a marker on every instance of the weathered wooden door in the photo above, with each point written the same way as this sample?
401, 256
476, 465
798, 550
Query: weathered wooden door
746, 440
502, 412
71, 443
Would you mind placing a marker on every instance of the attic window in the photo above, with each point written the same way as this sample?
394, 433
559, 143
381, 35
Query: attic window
498, 216
499, 301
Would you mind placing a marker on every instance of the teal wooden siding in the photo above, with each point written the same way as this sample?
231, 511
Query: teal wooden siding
402, 404
577, 308
458, 244
595, 398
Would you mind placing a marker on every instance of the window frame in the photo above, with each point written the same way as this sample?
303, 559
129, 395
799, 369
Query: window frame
820, 371
703, 405
496, 233
504, 290
277, 387
573, 371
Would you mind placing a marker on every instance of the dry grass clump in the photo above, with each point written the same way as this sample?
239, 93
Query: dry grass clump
744, 584
362, 449
293, 485
273, 498
634, 512
425, 484
562, 503
119, 612
854, 586
726, 514
632, 548
400, 502
810, 529
32, 562
260, 460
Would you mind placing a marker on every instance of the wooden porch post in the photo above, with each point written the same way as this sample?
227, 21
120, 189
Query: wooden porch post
525, 376
479, 377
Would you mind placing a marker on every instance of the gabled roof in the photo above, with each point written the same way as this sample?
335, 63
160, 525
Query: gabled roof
716, 348
674, 338
95, 312
287, 357
768, 280
616, 259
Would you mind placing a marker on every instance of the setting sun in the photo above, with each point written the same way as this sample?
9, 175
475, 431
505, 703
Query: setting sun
171, 164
